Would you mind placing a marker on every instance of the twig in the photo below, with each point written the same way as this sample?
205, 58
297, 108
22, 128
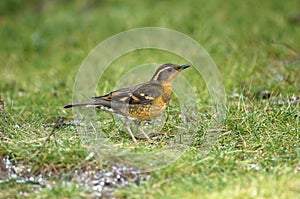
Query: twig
59, 123
287, 45
1, 112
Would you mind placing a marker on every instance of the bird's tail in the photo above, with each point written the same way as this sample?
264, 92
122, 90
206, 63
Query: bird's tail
86, 104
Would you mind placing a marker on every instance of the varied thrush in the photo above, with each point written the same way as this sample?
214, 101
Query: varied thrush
140, 102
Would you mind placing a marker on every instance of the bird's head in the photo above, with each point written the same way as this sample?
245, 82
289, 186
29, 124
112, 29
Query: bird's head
166, 72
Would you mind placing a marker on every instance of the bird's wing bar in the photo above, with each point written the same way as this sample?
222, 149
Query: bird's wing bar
140, 94
120, 95
146, 93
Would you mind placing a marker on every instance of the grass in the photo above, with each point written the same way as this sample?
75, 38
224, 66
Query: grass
258, 152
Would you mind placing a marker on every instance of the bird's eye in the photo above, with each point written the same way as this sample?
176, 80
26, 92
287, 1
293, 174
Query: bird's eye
170, 70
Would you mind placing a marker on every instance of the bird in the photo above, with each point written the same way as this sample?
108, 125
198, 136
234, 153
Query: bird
140, 102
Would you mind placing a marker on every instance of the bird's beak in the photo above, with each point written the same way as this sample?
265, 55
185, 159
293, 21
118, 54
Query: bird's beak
180, 68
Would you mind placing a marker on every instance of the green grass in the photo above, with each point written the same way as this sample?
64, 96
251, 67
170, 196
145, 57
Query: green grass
258, 155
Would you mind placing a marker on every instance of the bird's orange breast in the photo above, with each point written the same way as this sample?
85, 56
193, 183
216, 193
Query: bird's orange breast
153, 109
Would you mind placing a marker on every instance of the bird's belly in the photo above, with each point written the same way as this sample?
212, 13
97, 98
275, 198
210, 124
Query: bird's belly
146, 112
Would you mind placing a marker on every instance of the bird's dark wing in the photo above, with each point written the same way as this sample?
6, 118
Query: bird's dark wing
139, 94
146, 93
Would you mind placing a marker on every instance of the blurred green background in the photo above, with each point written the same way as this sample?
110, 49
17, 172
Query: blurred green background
44, 42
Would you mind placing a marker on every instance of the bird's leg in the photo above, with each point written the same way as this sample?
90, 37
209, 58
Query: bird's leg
138, 124
143, 132
130, 132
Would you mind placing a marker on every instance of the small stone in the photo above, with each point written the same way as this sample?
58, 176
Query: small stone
264, 94
1, 107
3, 170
